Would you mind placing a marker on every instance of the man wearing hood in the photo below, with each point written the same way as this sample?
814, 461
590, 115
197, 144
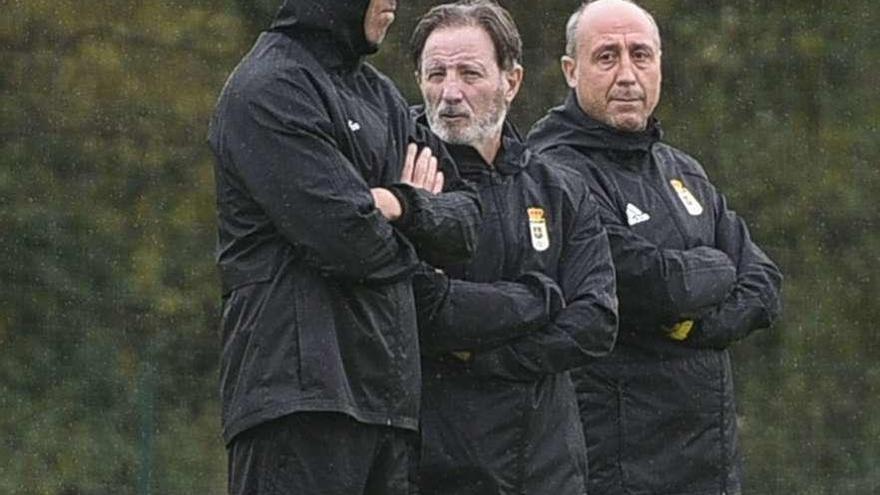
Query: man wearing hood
658, 413
499, 413
324, 209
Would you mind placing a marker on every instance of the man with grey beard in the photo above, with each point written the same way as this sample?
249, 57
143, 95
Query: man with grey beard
498, 334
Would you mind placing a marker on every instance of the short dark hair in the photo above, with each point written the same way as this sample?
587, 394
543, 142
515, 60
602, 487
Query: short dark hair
486, 14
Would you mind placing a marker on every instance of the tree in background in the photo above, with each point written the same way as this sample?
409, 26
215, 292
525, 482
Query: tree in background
109, 299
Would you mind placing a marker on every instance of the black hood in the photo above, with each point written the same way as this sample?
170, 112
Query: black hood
334, 28
568, 125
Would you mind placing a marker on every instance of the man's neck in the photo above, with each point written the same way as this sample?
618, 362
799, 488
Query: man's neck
489, 149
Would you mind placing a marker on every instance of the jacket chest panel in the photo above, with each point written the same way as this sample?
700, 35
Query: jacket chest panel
366, 135
521, 230
668, 209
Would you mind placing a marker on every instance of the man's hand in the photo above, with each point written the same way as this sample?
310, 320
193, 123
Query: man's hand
386, 203
681, 330
421, 171
463, 356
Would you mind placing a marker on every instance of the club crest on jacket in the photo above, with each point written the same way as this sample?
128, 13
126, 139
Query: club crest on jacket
538, 229
688, 200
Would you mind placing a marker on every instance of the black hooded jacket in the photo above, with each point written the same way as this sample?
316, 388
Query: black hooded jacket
318, 311
537, 299
659, 413
680, 252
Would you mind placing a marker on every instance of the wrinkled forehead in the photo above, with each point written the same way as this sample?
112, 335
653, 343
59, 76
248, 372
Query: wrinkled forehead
620, 22
458, 44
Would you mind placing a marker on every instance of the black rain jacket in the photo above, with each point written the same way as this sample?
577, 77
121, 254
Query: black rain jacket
537, 299
659, 414
318, 310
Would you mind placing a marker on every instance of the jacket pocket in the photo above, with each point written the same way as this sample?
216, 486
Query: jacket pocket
672, 425
353, 340
243, 326
316, 329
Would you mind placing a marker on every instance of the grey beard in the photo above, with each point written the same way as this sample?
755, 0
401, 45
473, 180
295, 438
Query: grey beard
483, 129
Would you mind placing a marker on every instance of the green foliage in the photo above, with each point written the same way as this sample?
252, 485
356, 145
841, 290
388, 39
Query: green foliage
109, 300
108, 228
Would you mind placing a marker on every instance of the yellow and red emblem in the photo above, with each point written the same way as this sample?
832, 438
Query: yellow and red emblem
687, 199
538, 229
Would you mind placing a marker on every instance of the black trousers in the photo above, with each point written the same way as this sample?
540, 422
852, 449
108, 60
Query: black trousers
317, 453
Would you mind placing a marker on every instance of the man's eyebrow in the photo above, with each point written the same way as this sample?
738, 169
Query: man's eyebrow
607, 45
470, 64
642, 45
433, 64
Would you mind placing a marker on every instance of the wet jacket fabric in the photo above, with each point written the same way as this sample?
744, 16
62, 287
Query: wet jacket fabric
536, 300
658, 413
318, 311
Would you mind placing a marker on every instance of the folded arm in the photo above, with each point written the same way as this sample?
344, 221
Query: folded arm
586, 328
457, 315
441, 222
286, 157
754, 302
662, 285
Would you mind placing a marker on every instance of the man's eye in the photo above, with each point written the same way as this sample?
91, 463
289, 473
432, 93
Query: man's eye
605, 57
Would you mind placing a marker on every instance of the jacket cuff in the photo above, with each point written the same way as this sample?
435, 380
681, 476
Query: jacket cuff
708, 334
408, 198
554, 299
502, 362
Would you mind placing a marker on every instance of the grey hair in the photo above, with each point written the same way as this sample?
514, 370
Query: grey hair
487, 14
572, 25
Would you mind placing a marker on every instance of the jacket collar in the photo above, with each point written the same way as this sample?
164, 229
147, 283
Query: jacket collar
568, 125
511, 159
332, 30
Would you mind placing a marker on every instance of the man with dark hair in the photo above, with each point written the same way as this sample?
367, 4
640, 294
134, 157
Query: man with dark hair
499, 413
658, 413
324, 210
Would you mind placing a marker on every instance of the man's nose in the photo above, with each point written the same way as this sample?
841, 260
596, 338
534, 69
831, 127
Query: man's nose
626, 74
451, 90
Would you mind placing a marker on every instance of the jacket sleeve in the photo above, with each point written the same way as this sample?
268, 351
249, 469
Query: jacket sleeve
662, 286
280, 141
754, 301
443, 227
457, 315
586, 328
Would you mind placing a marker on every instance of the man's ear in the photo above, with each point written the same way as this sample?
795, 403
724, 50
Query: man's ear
569, 70
514, 78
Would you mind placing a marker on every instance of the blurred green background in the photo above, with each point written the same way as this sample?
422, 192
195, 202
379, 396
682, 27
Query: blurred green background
109, 299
